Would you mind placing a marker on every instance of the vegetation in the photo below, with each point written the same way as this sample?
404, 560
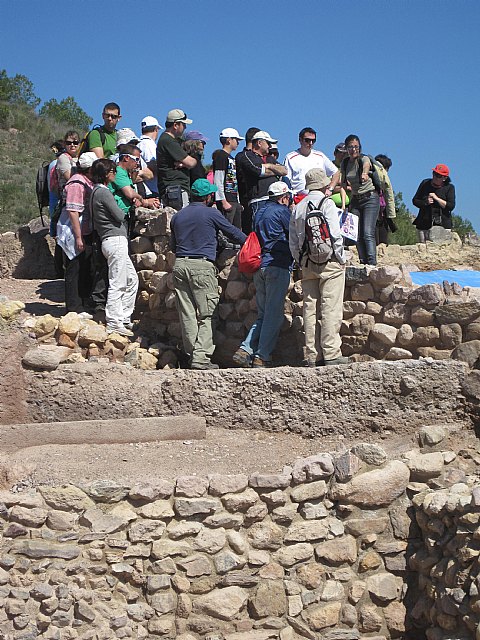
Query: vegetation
25, 140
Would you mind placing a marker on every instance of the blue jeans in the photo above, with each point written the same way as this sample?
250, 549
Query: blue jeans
271, 285
367, 211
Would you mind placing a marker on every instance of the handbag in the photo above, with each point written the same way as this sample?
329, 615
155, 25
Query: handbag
348, 225
249, 257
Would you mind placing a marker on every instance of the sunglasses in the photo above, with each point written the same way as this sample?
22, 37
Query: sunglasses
129, 155
111, 116
310, 140
75, 142
353, 147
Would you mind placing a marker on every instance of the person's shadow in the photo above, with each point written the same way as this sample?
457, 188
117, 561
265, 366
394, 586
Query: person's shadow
53, 290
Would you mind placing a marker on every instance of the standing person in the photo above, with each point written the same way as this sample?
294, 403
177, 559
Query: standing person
173, 162
323, 285
271, 224
435, 198
110, 224
225, 177
194, 145
387, 212
356, 171
304, 158
148, 148
103, 140
241, 180
258, 174
194, 241
74, 236
339, 153
67, 161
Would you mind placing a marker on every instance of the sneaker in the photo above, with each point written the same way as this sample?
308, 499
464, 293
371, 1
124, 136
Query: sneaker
122, 331
258, 363
339, 360
242, 358
205, 365
85, 316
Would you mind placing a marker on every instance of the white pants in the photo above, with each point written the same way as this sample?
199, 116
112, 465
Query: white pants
122, 281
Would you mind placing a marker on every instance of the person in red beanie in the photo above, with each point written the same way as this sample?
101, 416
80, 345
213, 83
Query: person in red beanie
435, 199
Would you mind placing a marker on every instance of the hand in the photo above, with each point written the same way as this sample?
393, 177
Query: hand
153, 203
79, 244
178, 165
226, 205
364, 177
430, 198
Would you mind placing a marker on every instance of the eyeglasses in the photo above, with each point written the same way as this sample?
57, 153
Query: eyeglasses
75, 142
111, 116
129, 155
353, 147
310, 140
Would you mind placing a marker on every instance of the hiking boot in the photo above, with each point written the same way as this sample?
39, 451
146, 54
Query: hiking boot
122, 331
206, 365
242, 358
339, 360
258, 363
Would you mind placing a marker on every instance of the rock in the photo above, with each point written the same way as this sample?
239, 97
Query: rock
369, 561
265, 535
372, 454
292, 554
220, 484
141, 359
338, 551
70, 324
163, 602
148, 492
429, 295
10, 308
385, 587
223, 604
100, 522
157, 510
240, 501
28, 517
45, 325
310, 491
431, 435
311, 575
106, 491
306, 531
396, 353
320, 617
366, 525
210, 541
395, 615
424, 466
68, 498
227, 561
191, 486
42, 359
460, 312
395, 314
186, 507
375, 488
370, 619
235, 290
165, 548
385, 275
362, 324
405, 335
195, 566
92, 332
451, 335
346, 466
317, 467
45, 549
269, 599
362, 292
146, 531
332, 590
468, 352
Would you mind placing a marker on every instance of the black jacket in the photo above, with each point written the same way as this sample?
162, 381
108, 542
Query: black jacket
429, 212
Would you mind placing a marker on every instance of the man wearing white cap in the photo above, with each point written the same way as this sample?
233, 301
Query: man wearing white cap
173, 162
258, 174
272, 279
148, 148
225, 177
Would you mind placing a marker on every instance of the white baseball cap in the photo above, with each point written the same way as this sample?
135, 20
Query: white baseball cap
125, 136
264, 135
278, 188
229, 132
150, 121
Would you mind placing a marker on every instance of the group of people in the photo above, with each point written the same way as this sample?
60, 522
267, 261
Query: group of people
103, 178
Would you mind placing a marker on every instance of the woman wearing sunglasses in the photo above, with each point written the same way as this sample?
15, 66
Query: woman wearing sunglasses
435, 199
67, 161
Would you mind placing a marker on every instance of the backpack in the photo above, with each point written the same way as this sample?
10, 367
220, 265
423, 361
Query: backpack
249, 257
54, 185
374, 172
84, 145
318, 243
41, 188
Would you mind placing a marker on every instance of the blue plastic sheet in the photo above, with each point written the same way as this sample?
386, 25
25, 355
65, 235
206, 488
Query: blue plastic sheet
463, 278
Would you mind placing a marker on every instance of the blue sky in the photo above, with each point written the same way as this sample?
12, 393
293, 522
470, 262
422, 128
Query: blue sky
403, 74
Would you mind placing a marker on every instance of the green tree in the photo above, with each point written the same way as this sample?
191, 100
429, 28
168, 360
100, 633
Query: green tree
67, 111
406, 232
462, 226
17, 90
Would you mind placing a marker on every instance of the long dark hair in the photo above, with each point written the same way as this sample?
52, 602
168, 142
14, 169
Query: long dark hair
101, 169
351, 138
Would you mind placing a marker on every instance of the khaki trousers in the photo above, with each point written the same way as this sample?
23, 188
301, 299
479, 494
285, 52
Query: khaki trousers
196, 290
323, 288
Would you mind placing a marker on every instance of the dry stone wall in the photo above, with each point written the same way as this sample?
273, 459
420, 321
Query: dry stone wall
385, 315
328, 549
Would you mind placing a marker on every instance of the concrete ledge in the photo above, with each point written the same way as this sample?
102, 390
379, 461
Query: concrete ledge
352, 400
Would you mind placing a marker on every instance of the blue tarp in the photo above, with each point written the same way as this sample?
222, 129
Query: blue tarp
463, 278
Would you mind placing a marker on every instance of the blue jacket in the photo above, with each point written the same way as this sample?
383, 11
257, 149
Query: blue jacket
271, 225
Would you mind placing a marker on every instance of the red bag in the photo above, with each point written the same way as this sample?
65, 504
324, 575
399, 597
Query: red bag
249, 257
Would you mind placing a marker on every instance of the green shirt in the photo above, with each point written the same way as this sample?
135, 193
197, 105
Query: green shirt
122, 179
110, 144
170, 151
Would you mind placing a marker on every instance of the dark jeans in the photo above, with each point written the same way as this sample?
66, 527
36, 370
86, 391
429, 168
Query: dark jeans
234, 215
367, 209
100, 277
79, 279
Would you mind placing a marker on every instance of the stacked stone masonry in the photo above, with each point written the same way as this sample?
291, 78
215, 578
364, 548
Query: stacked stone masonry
344, 546
385, 315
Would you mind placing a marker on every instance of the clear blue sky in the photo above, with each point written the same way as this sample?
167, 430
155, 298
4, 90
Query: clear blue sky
403, 74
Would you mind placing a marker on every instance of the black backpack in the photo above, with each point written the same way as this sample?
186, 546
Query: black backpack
318, 243
41, 188
373, 173
84, 145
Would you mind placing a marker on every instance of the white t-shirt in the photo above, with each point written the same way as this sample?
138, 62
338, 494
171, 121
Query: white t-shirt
148, 148
297, 166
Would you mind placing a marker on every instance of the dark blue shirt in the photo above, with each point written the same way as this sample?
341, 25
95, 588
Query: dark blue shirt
194, 231
271, 226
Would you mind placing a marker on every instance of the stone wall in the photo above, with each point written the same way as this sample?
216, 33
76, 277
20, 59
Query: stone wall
327, 548
385, 315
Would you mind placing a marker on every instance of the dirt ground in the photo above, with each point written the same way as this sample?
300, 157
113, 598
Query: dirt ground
223, 451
